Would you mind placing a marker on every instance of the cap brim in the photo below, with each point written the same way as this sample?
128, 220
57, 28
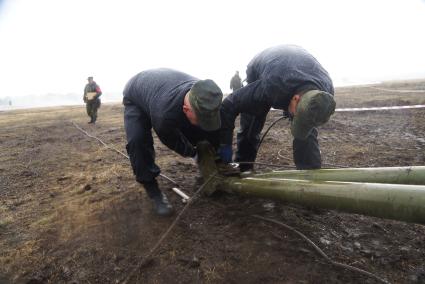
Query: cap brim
210, 122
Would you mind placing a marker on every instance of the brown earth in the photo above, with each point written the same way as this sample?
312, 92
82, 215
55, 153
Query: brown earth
71, 211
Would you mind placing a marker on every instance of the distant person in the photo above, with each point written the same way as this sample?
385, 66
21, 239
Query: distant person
181, 109
91, 96
284, 77
10, 102
236, 82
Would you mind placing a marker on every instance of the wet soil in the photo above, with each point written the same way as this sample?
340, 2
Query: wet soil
71, 211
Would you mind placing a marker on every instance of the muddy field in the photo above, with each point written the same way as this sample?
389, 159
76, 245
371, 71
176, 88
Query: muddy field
71, 211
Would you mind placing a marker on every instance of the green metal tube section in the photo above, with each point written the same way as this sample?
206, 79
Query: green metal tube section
393, 175
392, 201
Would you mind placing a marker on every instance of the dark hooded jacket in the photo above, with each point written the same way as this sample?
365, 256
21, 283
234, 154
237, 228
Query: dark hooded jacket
274, 76
159, 93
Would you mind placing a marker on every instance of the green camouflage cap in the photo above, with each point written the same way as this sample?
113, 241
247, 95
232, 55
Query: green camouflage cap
205, 98
314, 109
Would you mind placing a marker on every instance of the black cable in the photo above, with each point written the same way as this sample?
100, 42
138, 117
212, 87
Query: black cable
267, 131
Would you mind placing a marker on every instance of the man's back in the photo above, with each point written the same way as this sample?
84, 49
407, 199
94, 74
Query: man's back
289, 65
158, 91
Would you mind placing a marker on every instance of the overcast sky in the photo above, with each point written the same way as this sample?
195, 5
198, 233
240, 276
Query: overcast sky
51, 46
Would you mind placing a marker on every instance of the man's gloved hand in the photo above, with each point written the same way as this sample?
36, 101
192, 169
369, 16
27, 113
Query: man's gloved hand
226, 153
228, 169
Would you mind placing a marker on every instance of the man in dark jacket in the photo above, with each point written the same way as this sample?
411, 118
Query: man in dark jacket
91, 96
180, 108
235, 82
283, 77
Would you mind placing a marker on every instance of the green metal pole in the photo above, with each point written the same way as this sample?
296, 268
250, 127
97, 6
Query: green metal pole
369, 191
392, 201
397, 175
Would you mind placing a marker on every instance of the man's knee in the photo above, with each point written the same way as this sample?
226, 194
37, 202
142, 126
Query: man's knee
133, 144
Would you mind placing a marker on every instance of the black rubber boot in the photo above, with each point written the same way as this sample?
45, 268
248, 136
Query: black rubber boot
246, 167
162, 205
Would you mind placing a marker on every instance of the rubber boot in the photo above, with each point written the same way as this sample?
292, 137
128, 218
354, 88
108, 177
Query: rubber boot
246, 167
162, 205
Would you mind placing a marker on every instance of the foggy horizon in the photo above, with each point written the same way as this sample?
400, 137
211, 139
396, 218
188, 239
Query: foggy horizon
51, 47
74, 99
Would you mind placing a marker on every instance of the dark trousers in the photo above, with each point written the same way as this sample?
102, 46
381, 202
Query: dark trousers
306, 153
140, 148
140, 144
91, 108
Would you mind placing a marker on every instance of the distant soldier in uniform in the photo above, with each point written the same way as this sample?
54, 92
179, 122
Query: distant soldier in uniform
284, 77
91, 96
235, 82
181, 109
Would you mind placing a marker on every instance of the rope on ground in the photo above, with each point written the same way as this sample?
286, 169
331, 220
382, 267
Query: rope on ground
148, 258
324, 255
116, 150
283, 157
396, 91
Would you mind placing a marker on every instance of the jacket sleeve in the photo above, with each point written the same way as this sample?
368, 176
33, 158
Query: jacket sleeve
307, 152
174, 139
84, 94
98, 91
250, 99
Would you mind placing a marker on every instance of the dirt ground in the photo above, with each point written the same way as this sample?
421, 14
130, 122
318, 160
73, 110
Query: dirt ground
71, 211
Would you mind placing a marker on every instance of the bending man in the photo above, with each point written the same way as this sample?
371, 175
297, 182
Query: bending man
180, 108
283, 77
